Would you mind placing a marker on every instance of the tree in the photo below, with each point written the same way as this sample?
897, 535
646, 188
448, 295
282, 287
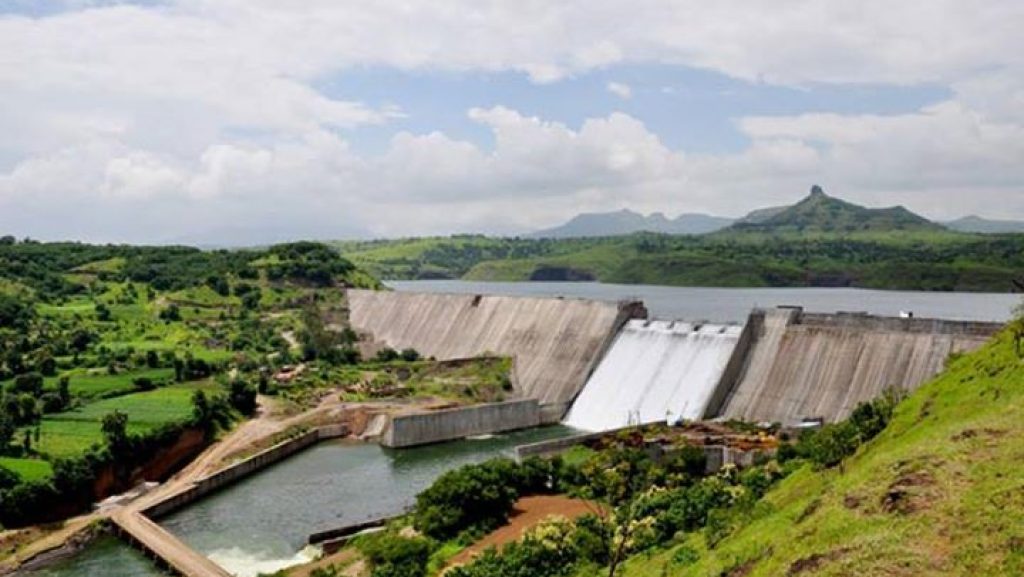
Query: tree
115, 431
15, 313
7, 430
171, 313
48, 366
31, 383
103, 312
242, 397
152, 359
64, 389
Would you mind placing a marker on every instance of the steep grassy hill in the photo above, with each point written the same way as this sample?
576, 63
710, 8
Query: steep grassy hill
939, 492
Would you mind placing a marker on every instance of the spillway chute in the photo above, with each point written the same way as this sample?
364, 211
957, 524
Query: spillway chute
655, 371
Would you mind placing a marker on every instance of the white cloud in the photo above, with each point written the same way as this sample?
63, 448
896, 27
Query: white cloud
620, 89
132, 122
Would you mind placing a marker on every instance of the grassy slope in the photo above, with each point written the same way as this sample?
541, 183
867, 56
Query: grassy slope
940, 492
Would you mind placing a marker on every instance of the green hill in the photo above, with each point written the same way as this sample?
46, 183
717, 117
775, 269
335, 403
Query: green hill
939, 492
821, 213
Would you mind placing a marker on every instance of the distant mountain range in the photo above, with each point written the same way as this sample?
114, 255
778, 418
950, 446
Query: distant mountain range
978, 224
627, 222
818, 212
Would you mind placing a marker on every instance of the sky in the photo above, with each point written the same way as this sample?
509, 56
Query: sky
252, 121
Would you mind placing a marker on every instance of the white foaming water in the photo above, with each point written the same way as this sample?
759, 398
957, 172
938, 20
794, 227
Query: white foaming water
654, 371
242, 563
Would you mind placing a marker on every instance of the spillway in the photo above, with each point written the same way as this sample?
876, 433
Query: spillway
655, 371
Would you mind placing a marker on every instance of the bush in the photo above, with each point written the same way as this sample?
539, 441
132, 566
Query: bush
386, 355
476, 497
547, 550
392, 555
143, 383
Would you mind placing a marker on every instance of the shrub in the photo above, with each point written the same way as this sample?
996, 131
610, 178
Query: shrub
392, 555
143, 383
547, 550
475, 496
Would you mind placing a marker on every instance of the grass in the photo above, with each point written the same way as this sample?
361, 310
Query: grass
94, 386
940, 492
28, 469
74, 432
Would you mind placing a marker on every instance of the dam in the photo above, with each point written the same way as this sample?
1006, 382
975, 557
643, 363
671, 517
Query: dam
811, 365
655, 371
554, 342
602, 365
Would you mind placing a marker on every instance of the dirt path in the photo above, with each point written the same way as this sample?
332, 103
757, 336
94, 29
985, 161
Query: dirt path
528, 512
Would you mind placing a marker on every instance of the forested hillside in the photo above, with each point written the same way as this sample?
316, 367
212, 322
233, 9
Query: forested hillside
111, 354
911, 260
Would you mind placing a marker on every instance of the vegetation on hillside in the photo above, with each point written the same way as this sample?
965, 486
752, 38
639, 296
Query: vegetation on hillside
109, 354
909, 260
938, 492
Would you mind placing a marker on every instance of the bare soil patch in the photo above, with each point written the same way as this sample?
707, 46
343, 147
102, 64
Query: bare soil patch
528, 512
814, 562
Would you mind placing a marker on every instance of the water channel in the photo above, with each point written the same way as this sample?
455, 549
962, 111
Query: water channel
261, 524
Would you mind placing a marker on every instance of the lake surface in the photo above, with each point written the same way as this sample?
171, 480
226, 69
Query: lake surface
731, 305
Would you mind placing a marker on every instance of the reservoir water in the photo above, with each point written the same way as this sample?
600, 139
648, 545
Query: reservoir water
731, 305
261, 524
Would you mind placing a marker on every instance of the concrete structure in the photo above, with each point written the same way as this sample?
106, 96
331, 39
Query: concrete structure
165, 548
656, 371
555, 343
803, 365
238, 471
413, 429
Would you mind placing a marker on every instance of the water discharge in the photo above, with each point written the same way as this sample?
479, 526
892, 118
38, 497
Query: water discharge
655, 371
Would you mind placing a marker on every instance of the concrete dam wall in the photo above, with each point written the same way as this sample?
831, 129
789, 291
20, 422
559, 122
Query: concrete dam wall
655, 371
813, 365
413, 429
555, 343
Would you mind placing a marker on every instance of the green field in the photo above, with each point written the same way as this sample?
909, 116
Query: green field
93, 386
27, 469
74, 432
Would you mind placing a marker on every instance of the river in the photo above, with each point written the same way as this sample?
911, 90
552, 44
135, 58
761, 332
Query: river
261, 524
731, 305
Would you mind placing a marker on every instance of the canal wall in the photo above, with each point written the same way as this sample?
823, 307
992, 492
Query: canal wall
555, 343
717, 456
242, 469
802, 365
412, 429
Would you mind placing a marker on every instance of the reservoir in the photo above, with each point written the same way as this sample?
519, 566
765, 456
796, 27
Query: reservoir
261, 524
732, 305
